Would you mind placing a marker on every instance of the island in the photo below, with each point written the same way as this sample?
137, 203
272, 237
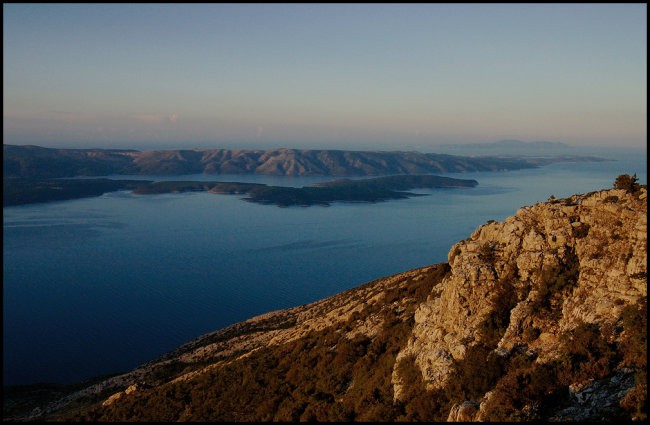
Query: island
377, 189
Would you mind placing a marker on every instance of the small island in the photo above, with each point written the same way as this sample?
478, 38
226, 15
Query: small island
24, 191
364, 190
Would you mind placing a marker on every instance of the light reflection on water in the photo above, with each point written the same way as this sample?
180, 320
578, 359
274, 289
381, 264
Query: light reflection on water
100, 285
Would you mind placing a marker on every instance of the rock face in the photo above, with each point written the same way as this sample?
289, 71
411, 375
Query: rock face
466, 411
597, 401
529, 280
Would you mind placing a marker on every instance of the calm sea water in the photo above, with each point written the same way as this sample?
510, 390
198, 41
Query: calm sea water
100, 285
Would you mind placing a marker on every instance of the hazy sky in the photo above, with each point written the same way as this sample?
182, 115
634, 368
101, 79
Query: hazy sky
323, 75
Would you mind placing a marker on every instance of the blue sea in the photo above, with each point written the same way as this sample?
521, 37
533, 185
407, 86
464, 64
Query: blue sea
101, 285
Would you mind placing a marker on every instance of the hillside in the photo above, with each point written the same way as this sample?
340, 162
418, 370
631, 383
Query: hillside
39, 162
540, 317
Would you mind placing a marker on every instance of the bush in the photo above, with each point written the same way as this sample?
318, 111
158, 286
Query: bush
560, 278
524, 390
635, 401
635, 344
587, 353
627, 183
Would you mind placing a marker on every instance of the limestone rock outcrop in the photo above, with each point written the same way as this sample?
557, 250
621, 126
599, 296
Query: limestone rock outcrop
530, 279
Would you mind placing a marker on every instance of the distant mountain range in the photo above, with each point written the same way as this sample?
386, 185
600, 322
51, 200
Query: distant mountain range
510, 147
39, 162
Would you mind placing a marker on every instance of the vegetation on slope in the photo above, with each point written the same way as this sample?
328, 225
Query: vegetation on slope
326, 375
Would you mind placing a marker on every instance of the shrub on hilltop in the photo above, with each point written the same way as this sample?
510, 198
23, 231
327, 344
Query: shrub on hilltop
627, 183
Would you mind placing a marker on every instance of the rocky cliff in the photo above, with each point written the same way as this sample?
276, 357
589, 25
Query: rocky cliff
539, 317
527, 284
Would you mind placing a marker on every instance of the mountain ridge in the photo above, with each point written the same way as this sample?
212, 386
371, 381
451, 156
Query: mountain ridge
39, 162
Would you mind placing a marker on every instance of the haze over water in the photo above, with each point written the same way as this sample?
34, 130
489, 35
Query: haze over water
352, 76
100, 285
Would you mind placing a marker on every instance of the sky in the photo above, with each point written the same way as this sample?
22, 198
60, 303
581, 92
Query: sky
354, 76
